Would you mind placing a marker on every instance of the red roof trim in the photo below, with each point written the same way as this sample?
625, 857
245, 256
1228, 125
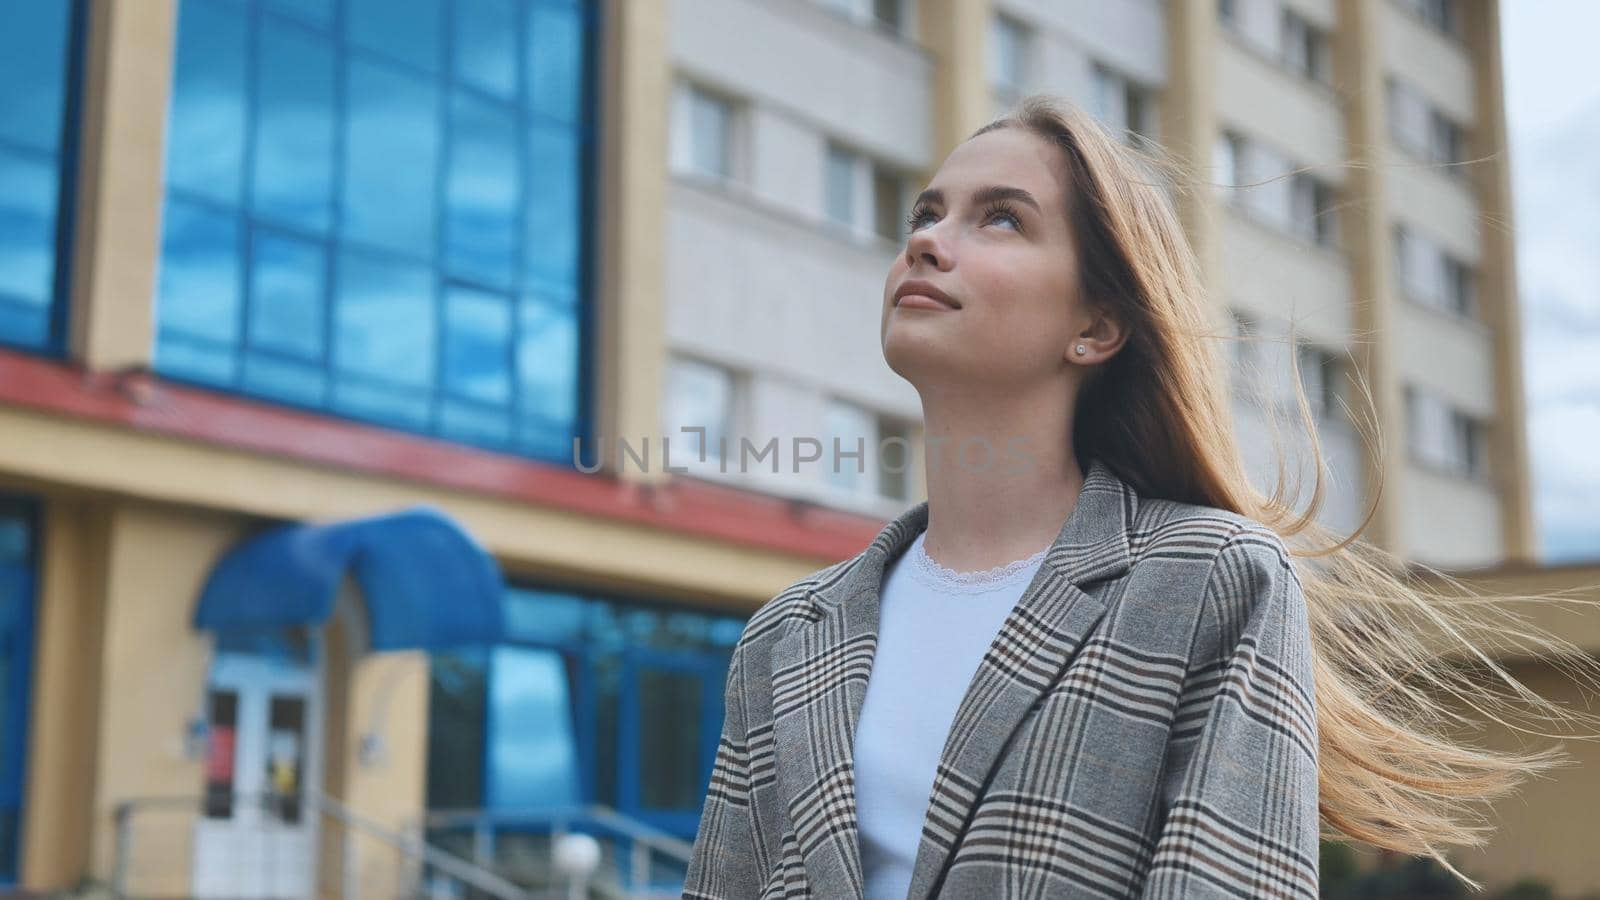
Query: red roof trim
144, 402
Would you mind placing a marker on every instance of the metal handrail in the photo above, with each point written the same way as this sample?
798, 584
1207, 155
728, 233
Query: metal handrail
627, 826
483, 824
409, 846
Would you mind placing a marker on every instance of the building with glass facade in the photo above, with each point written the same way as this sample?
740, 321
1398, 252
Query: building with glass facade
302, 311
304, 303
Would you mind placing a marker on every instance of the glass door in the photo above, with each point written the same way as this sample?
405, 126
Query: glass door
670, 718
256, 837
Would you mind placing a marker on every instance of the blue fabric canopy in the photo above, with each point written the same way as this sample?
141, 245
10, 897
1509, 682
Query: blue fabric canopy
427, 584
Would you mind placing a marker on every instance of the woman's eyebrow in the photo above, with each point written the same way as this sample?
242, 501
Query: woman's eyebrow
988, 194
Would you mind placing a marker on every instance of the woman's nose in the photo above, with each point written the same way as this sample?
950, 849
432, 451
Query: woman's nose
925, 245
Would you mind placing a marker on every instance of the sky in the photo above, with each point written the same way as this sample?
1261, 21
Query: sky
1552, 75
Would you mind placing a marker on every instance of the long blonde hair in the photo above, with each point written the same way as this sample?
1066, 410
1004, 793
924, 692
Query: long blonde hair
1159, 414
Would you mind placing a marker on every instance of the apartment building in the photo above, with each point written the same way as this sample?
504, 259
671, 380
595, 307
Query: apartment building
304, 303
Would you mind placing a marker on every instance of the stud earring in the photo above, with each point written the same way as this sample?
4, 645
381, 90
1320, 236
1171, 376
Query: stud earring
1081, 350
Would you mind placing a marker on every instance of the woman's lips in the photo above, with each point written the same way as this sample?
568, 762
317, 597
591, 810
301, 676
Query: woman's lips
918, 301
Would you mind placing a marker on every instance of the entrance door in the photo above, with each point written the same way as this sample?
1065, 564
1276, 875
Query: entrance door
256, 837
669, 722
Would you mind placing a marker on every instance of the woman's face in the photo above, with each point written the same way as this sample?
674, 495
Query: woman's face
991, 233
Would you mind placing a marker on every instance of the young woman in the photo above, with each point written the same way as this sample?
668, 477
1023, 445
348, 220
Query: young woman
1088, 665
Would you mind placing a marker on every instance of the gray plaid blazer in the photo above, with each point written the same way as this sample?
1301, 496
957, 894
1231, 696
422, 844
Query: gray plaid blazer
1143, 725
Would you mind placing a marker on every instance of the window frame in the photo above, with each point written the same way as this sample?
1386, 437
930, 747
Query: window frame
65, 159
528, 425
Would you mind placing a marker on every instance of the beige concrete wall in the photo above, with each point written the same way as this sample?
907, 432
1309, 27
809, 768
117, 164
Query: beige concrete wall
1365, 234
388, 698
153, 670
117, 220
1497, 282
1455, 521
64, 709
1545, 830
630, 343
384, 696
956, 32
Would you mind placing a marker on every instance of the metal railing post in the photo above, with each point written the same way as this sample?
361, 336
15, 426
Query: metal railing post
483, 843
350, 883
639, 874
123, 852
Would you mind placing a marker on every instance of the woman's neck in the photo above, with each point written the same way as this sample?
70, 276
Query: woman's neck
1002, 477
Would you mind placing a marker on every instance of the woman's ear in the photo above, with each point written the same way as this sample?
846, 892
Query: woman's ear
1099, 340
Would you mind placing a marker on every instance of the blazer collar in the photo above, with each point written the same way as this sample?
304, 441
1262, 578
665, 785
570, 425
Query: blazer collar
820, 671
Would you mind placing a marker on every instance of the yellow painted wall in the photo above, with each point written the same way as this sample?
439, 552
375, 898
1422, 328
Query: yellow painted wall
64, 709
153, 673
388, 696
1546, 829
127, 79
121, 671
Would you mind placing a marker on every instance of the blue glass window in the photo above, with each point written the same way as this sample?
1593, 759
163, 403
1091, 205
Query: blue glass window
37, 73
590, 700
375, 208
292, 171
17, 564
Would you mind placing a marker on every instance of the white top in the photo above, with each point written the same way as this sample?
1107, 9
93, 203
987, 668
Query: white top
934, 626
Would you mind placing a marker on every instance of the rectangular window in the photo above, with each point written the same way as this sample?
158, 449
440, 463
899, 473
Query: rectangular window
18, 577
1244, 349
1408, 116
1429, 275
1227, 154
1312, 212
701, 395
840, 184
1421, 128
286, 750
703, 133
381, 215
888, 203
1319, 378
1303, 47
1441, 15
1274, 197
849, 448
1446, 139
38, 76
891, 14
1412, 265
1008, 55
1124, 107
222, 752
894, 458
1444, 437
588, 701
1460, 287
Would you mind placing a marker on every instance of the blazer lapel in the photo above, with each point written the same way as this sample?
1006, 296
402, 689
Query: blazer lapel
819, 682
1035, 644
820, 671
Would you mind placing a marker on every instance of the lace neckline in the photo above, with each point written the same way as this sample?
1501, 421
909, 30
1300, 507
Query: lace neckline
936, 575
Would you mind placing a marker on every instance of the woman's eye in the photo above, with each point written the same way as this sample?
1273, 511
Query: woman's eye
1001, 215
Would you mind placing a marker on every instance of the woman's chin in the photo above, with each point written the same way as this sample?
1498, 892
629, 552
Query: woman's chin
909, 352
